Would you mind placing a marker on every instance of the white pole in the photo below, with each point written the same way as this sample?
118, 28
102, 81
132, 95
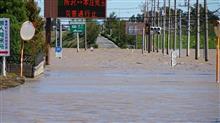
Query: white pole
164, 28
61, 38
175, 25
86, 36
188, 30
4, 66
180, 34
77, 42
197, 52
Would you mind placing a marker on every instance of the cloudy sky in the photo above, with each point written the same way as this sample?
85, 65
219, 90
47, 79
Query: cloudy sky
127, 8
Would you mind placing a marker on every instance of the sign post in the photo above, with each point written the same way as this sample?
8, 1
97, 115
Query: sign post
85, 36
78, 28
77, 42
4, 42
27, 33
59, 48
217, 32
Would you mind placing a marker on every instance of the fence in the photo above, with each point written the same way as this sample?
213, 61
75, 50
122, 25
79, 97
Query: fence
30, 63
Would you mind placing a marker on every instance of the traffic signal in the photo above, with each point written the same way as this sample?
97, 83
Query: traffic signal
156, 30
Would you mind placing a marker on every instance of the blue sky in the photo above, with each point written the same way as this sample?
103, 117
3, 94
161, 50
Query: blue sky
126, 8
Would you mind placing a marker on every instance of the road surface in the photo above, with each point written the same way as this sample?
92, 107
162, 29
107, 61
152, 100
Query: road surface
115, 86
103, 42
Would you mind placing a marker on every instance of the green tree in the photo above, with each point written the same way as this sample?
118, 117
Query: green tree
115, 31
16, 11
36, 45
92, 32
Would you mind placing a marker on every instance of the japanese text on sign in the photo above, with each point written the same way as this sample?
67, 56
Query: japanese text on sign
4, 37
77, 28
82, 8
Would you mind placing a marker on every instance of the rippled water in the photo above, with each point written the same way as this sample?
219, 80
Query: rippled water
106, 97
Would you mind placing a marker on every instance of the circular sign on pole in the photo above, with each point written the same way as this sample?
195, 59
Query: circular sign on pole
27, 31
217, 29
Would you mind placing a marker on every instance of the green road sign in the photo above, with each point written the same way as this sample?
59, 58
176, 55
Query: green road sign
77, 28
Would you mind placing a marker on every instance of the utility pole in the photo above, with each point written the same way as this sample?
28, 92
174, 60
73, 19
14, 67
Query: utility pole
158, 23
164, 28
154, 19
188, 30
150, 24
197, 53
175, 25
145, 21
168, 36
180, 33
206, 43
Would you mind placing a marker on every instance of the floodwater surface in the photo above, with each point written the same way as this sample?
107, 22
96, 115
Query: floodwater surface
59, 97
113, 96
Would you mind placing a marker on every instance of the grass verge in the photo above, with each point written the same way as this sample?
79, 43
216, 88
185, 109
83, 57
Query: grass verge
10, 81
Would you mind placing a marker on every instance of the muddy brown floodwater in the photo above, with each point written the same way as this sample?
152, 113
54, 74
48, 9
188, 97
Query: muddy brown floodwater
116, 86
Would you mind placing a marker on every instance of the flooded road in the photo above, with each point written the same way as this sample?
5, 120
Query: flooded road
67, 94
103, 42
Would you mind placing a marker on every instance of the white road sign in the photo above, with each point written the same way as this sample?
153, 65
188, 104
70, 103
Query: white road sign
4, 37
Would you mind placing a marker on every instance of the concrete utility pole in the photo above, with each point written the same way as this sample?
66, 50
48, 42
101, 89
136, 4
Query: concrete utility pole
188, 30
206, 43
168, 36
197, 50
145, 21
154, 19
150, 24
175, 25
180, 34
164, 28
158, 23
